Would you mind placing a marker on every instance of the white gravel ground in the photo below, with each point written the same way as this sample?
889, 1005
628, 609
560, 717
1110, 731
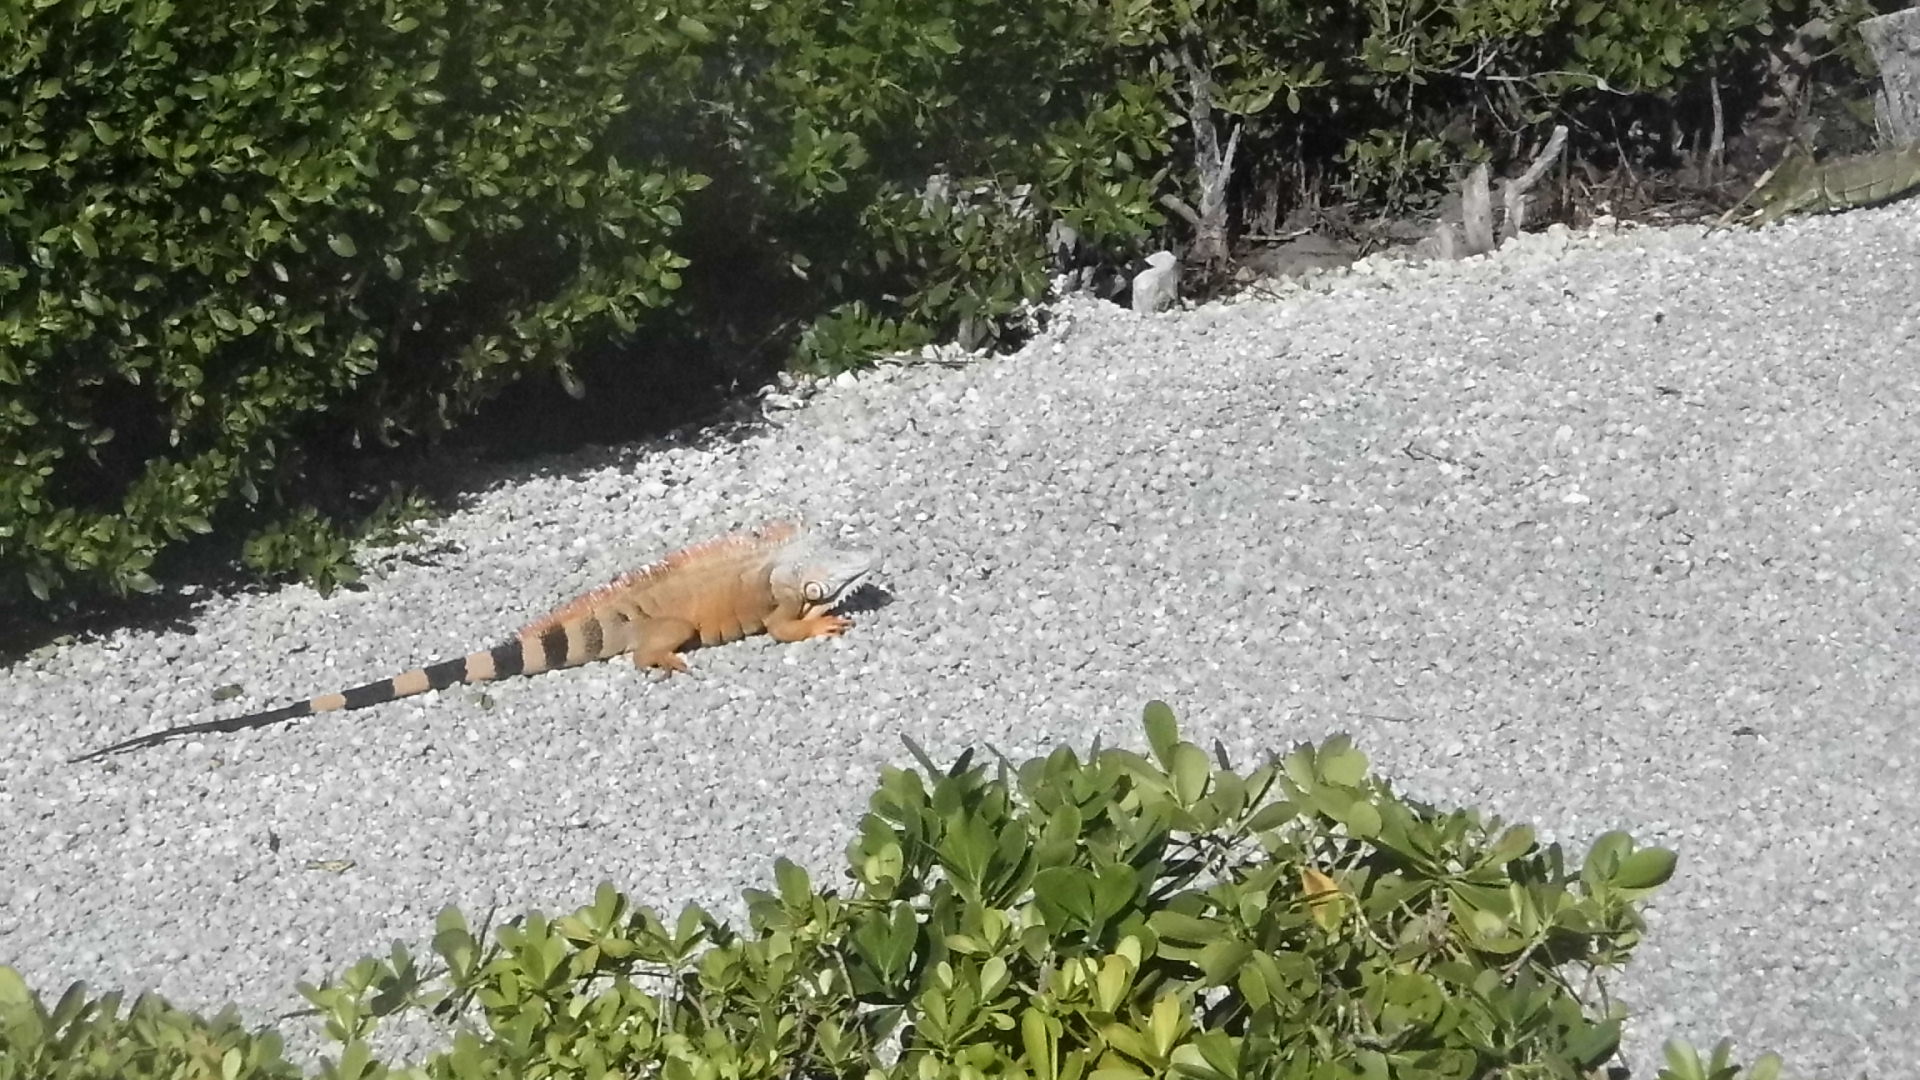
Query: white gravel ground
1616, 532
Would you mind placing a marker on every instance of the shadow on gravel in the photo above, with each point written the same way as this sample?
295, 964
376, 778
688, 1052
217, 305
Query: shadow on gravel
532, 430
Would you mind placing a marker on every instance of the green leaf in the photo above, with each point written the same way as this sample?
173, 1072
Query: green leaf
1163, 732
1513, 844
795, 890
1683, 1061
343, 245
1221, 961
1114, 888
1191, 770
1299, 767
1603, 858
1272, 816
1592, 1045
1179, 926
964, 850
1040, 1039
15, 996
886, 939
1361, 819
1130, 1041
1341, 764
1065, 891
437, 229
1646, 868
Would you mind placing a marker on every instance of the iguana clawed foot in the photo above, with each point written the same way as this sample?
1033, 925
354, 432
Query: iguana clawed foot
808, 626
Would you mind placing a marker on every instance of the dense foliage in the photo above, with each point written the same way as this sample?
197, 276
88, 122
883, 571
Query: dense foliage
240, 242
233, 233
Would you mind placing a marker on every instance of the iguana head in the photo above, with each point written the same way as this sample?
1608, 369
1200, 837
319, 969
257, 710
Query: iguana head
816, 576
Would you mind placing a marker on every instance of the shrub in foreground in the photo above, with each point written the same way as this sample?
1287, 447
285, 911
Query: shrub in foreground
1118, 916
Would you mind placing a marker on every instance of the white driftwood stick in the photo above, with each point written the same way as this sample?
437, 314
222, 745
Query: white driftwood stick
1513, 194
1894, 41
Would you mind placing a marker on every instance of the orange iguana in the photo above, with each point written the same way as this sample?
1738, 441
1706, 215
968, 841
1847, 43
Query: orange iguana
779, 579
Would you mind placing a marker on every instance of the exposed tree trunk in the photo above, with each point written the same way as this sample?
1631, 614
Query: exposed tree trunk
1894, 41
1210, 227
1515, 194
1476, 210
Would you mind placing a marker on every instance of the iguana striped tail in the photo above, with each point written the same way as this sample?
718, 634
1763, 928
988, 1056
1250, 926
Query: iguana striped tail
778, 580
531, 654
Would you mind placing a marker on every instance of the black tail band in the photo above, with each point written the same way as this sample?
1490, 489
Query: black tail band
232, 723
553, 644
446, 673
508, 659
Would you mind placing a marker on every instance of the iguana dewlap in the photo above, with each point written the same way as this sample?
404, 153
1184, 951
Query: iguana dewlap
779, 579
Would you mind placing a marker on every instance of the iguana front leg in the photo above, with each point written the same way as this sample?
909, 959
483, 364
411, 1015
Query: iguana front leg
790, 628
657, 641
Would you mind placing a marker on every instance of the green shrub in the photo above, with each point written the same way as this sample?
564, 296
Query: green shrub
1683, 1063
86, 1038
893, 166
319, 551
230, 231
1396, 96
238, 239
1117, 916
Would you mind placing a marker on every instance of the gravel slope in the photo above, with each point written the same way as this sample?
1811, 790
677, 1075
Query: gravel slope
1610, 533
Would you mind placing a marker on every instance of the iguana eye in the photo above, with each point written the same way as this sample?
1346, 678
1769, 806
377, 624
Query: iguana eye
814, 592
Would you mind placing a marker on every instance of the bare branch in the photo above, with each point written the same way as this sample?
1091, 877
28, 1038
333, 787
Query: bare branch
1179, 206
1513, 193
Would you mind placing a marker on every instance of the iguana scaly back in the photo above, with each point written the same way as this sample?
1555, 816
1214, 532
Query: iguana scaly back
779, 579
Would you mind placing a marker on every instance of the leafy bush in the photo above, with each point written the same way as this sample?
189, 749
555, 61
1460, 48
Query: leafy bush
319, 551
239, 240
231, 231
1397, 95
893, 167
1683, 1063
1118, 916
86, 1038
898, 165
